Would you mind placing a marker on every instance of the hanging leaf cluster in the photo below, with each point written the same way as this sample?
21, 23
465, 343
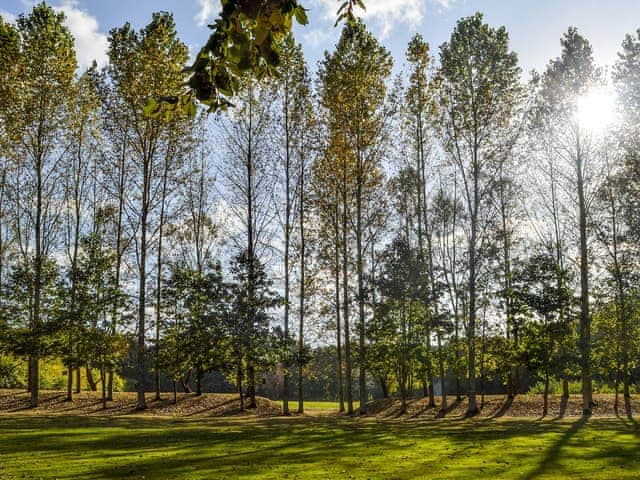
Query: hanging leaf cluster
247, 39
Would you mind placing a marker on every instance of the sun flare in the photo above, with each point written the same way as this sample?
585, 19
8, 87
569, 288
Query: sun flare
596, 109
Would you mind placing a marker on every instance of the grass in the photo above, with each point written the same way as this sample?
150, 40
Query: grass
315, 447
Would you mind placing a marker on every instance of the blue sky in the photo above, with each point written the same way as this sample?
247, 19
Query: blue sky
535, 26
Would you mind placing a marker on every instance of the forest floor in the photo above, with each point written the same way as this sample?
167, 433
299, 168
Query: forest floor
225, 405
45, 446
498, 406
90, 403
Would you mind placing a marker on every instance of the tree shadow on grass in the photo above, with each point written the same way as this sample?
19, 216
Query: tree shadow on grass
553, 452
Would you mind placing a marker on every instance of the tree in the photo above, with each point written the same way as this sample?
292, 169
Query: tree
146, 64
251, 339
477, 91
42, 82
448, 218
353, 86
196, 305
536, 287
293, 92
402, 285
621, 192
79, 183
247, 39
566, 80
91, 294
247, 173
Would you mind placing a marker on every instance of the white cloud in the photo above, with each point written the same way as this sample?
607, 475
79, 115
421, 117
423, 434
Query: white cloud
387, 14
207, 9
91, 43
7, 16
320, 37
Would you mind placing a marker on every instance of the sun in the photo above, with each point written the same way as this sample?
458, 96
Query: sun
596, 109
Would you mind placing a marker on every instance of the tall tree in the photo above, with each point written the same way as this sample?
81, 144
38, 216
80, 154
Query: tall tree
477, 91
354, 92
143, 65
79, 183
247, 175
566, 81
42, 80
293, 94
625, 191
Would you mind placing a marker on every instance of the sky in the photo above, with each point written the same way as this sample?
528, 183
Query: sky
534, 26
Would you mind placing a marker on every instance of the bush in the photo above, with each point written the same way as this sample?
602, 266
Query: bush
575, 387
53, 375
13, 372
555, 387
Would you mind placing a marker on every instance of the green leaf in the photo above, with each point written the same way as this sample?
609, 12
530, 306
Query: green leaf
190, 109
151, 107
261, 34
301, 15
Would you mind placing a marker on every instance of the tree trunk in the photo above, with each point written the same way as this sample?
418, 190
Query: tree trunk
69, 383
443, 388
239, 385
287, 235
345, 293
199, 374
303, 258
361, 299
383, 387
103, 385
78, 380
185, 384
165, 177
141, 364
93, 386
339, 371
119, 253
432, 397
545, 404
251, 387
585, 318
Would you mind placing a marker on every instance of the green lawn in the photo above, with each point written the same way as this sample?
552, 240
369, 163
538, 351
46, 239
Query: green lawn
65, 447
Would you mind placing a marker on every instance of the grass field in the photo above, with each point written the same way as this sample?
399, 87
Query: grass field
315, 447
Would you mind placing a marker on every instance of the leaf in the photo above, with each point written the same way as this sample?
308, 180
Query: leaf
261, 34
151, 107
301, 15
190, 109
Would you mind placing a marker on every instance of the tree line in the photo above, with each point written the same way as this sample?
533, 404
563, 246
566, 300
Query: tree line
444, 225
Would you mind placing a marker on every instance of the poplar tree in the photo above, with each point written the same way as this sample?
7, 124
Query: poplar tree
247, 176
566, 80
477, 90
144, 65
623, 192
293, 91
354, 93
40, 78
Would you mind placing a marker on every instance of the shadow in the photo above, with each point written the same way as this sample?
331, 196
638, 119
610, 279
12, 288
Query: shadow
216, 406
564, 403
553, 453
504, 408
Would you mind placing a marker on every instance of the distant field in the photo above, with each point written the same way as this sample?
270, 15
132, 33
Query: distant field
314, 447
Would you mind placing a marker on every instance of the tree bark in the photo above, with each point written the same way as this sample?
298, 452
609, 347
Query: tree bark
585, 318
